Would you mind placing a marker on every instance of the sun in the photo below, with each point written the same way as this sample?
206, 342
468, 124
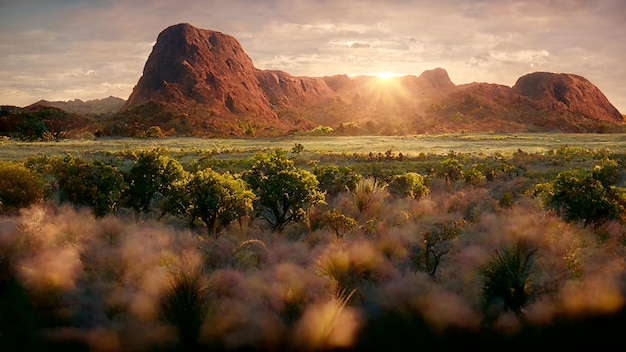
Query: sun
385, 75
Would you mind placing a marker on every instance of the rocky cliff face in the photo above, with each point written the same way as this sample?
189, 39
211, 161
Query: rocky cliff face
567, 93
201, 82
205, 79
191, 66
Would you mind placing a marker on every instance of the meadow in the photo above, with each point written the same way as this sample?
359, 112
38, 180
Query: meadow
479, 241
408, 145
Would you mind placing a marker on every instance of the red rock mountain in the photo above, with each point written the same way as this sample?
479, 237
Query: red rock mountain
201, 82
567, 93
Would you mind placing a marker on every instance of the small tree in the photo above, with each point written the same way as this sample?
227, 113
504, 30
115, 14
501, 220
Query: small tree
450, 170
410, 184
297, 148
217, 199
90, 183
339, 222
334, 179
283, 190
152, 175
578, 195
437, 244
474, 177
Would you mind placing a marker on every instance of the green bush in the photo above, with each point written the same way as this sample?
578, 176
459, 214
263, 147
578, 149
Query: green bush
90, 183
19, 187
334, 179
579, 196
410, 184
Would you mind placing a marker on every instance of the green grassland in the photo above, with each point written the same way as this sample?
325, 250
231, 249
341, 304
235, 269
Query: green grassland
407, 145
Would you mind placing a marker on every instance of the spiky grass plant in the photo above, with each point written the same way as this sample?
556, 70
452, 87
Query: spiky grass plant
366, 192
336, 266
506, 276
184, 306
328, 325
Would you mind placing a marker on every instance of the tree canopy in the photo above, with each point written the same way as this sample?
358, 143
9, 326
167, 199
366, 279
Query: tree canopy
283, 190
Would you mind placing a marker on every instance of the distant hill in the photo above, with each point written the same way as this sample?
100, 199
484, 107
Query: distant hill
90, 107
40, 122
201, 82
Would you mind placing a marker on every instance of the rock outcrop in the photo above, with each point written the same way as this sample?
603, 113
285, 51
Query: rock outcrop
201, 82
567, 93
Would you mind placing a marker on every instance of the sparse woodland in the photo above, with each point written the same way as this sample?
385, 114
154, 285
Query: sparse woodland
143, 250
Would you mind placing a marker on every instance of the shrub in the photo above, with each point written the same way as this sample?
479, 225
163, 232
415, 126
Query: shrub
90, 183
506, 276
410, 184
19, 187
184, 306
334, 179
578, 195
153, 132
322, 130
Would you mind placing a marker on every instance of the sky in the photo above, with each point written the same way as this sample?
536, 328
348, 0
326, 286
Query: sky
92, 49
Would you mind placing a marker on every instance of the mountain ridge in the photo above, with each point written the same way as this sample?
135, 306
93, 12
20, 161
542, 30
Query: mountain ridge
199, 82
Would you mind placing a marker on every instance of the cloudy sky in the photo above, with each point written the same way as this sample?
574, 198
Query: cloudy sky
91, 49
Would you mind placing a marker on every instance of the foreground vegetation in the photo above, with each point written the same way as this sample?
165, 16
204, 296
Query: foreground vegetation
291, 247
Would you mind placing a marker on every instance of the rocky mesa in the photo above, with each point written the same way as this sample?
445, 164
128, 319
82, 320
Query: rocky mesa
202, 83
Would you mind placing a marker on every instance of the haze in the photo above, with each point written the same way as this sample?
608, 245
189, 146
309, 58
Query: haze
67, 49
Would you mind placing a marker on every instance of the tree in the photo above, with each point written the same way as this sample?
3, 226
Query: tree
90, 183
339, 222
579, 195
450, 170
283, 190
151, 176
474, 177
334, 179
217, 199
410, 184
19, 187
437, 244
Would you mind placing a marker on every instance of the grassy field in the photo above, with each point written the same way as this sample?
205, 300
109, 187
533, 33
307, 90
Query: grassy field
407, 145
